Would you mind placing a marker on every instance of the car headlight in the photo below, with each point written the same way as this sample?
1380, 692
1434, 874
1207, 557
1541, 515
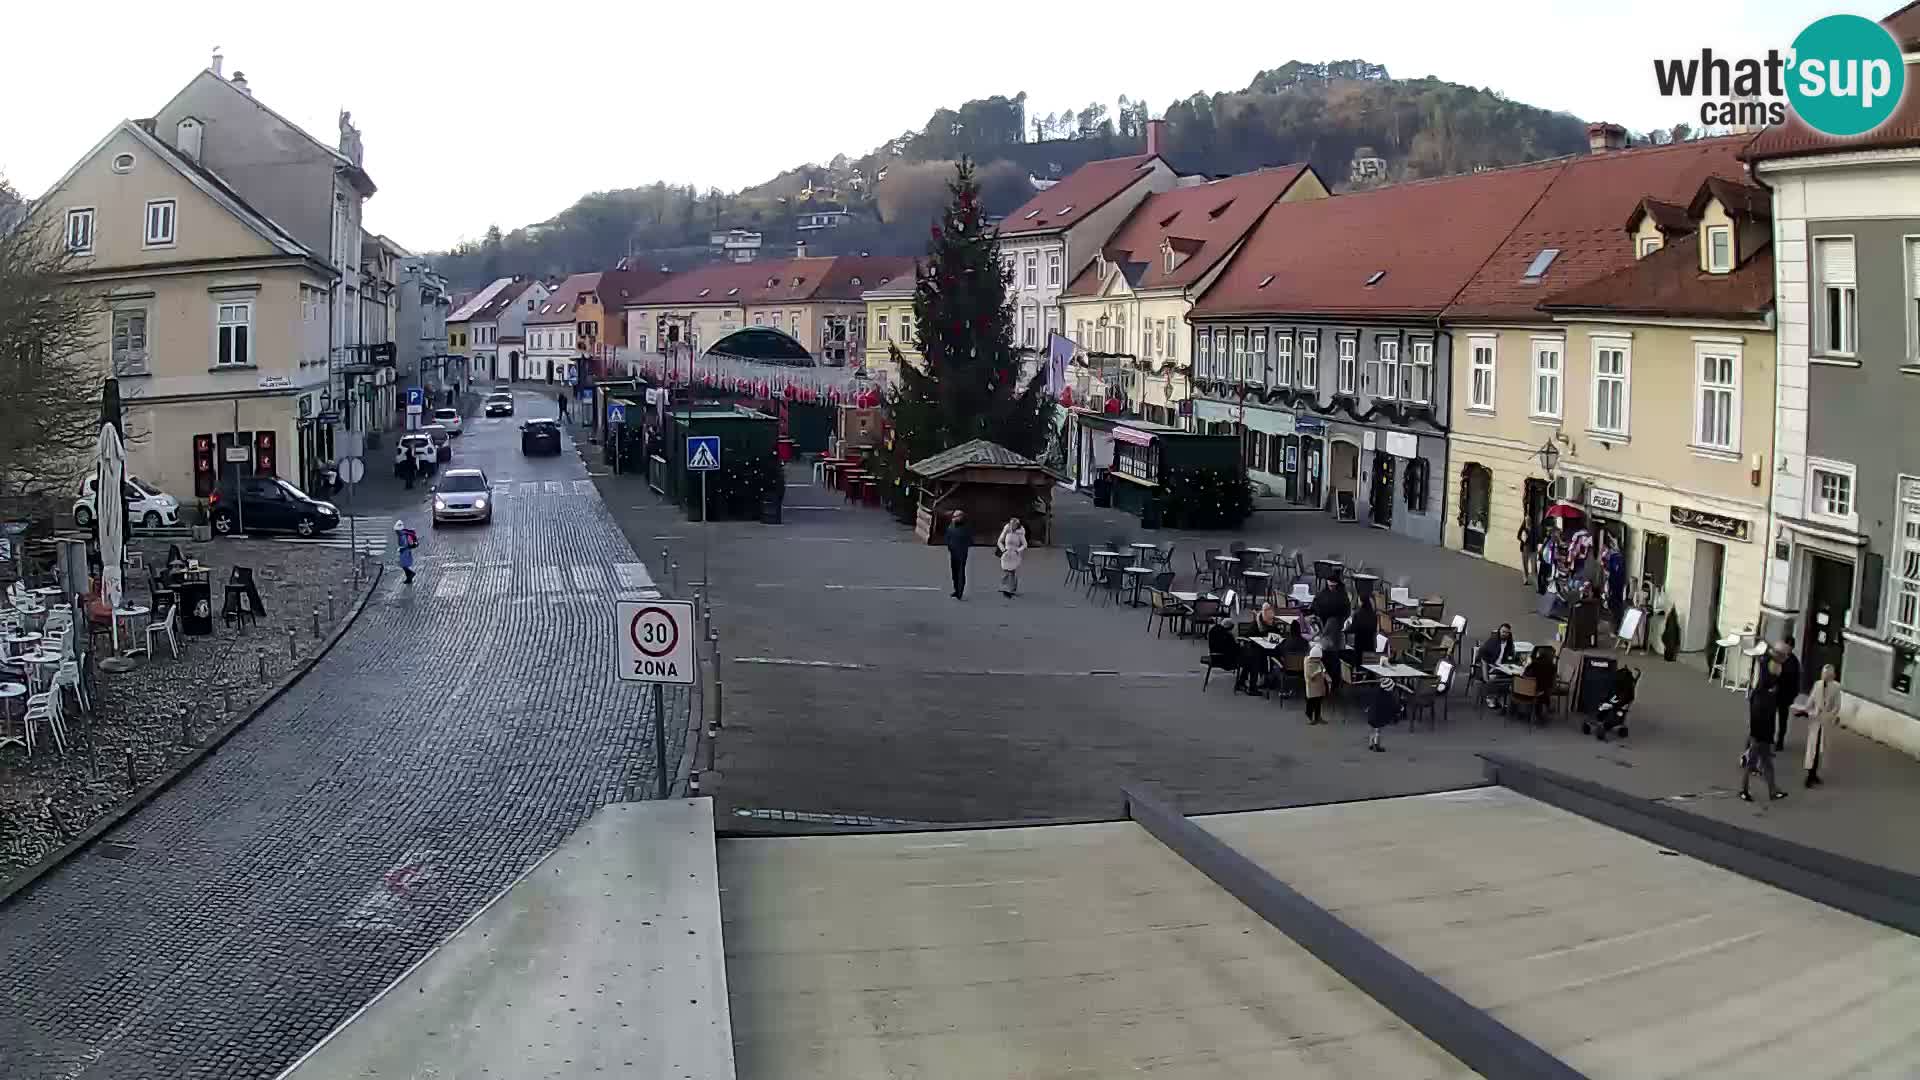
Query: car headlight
439, 503
479, 504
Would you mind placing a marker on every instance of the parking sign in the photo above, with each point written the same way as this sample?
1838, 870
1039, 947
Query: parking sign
703, 453
656, 641
416, 398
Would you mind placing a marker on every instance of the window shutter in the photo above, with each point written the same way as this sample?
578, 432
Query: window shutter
1873, 575
1913, 266
1836, 262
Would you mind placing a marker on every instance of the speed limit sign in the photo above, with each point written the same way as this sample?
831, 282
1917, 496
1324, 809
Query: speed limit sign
656, 641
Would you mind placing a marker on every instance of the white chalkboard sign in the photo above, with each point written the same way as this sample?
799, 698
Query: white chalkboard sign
1630, 628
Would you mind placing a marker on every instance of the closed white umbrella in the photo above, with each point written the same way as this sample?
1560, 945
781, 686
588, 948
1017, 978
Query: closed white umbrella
110, 458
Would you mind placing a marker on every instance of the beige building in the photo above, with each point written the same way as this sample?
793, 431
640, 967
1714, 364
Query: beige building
1634, 393
212, 316
1132, 300
817, 301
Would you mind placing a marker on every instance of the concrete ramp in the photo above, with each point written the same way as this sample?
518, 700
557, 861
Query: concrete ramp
604, 960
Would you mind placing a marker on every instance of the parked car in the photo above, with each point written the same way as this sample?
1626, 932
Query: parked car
422, 450
540, 437
463, 495
449, 419
147, 506
500, 403
442, 441
268, 504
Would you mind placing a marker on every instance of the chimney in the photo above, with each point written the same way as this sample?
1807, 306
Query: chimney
218, 62
1602, 137
239, 82
186, 138
1156, 134
800, 250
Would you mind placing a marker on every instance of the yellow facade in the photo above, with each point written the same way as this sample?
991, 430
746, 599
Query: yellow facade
889, 314
1153, 328
1637, 471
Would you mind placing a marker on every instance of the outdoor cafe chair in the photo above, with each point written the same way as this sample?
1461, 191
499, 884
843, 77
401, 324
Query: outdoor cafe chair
1353, 677
1434, 609
1163, 609
1429, 696
45, 709
1163, 558
164, 627
1201, 572
1076, 569
1526, 694
1201, 613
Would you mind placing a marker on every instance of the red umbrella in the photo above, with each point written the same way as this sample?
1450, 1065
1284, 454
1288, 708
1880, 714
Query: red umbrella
1066, 396
1565, 510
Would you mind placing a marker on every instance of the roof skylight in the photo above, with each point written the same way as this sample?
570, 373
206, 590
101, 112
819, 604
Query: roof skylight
1374, 279
1031, 214
1265, 281
704, 292
1537, 269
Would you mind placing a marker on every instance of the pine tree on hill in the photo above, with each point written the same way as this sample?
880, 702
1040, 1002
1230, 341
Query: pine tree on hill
971, 386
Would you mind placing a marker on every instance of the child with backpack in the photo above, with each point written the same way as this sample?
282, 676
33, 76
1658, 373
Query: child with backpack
407, 539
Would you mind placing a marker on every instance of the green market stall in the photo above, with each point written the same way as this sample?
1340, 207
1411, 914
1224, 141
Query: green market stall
749, 483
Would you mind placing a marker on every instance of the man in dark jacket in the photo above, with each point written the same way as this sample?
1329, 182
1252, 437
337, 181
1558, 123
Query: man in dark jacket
1759, 755
1786, 689
959, 545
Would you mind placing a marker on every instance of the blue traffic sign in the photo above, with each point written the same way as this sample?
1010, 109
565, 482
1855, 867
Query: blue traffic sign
703, 453
416, 395
616, 414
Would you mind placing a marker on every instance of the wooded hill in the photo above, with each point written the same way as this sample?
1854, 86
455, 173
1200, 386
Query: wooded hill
1326, 114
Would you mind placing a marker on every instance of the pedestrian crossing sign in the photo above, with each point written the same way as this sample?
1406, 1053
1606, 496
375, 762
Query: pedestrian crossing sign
703, 453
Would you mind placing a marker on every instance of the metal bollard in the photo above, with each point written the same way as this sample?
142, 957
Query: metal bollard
330, 615
713, 636
262, 653
133, 773
316, 623
186, 728
226, 699
293, 647
673, 573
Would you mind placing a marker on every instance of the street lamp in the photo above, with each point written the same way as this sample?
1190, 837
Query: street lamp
1549, 456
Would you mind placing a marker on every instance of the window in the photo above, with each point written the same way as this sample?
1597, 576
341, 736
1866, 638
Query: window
1238, 373
1383, 372
1033, 269
1904, 623
130, 342
1138, 462
1173, 339
160, 214
1347, 347
1310, 361
1649, 245
1830, 492
1220, 368
1913, 298
1259, 372
1610, 396
1029, 316
1053, 323
1053, 268
793, 324
1146, 338
1546, 379
1283, 359
1719, 249
235, 329
1080, 332
123, 163
1417, 377
1717, 410
1833, 261
80, 231
906, 325
1203, 360
880, 328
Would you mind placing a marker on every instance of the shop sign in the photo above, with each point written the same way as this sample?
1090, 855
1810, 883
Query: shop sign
1402, 445
1309, 425
1604, 499
1126, 434
1732, 528
274, 382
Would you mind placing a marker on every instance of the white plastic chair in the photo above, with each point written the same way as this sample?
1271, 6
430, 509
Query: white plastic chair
45, 709
165, 626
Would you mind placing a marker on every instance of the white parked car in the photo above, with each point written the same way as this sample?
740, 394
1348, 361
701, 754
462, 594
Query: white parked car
421, 448
147, 506
449, 419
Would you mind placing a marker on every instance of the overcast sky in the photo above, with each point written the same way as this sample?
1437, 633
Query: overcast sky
476, 114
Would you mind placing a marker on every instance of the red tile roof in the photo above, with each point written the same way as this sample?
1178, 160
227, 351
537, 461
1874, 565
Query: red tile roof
618, 288
776, 281
1429, 236
1202, 222
1580, 215
1078, 194
1904, 25
1667, 217
1902, 129
563, 305
1670, 282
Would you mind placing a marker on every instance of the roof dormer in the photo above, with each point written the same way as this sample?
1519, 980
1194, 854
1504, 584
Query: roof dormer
1734, 220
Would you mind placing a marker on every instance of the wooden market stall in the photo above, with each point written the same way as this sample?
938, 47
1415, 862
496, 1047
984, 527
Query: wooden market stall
991, 484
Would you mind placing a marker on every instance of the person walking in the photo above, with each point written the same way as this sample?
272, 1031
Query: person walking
959, 545
1543, 573
409, 468
560, 399
1759, 754
1317, 680
1823, 715
1785, 689
1012, 546
407, 540
1529, 547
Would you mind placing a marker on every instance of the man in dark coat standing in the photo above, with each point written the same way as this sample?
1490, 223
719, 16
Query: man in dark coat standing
1786, 688
959, 546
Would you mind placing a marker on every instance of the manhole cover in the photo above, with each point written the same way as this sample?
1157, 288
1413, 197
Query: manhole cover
117, 851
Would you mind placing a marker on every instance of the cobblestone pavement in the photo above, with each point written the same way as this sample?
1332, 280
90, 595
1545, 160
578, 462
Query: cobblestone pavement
136, 732
855, 685
465, 726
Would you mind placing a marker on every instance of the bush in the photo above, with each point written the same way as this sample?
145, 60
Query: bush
1208, 498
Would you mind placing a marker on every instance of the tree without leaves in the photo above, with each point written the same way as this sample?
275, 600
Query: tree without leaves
49, 379
963, 325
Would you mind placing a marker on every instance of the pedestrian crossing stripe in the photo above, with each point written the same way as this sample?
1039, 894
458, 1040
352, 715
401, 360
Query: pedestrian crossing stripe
588, 578
556, 584
583, 487
632, 576
548, 579
530, 487
554, 487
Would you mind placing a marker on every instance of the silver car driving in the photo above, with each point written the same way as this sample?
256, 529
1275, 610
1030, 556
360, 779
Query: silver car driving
462, 495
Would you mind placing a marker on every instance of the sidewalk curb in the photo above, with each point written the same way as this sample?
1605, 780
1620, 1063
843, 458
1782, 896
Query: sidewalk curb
153, 789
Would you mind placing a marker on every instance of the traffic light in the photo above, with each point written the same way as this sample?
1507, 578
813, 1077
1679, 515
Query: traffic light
203, 474
263, 455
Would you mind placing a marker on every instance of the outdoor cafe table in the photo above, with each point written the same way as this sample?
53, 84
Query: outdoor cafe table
1142, 550
48, 593
41, 660
33, 613
1136, 576
9, 693
130, 612
1221, 566
22, 643
1395, 672
1258, 553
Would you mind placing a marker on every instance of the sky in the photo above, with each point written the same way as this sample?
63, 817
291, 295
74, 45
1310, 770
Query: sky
505, 114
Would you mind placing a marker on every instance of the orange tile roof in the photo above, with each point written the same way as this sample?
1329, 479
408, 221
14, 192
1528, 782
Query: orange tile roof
1080, 193
564, 303
1670, 282
1428, 236
1579, 215
776, 281
1203, 222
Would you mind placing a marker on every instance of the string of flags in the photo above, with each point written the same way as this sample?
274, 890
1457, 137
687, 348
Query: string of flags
769, 382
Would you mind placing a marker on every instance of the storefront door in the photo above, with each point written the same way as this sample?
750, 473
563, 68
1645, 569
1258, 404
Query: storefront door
1380, 513
1829, 603
1702, 627
1476, 506
1345, 462
1313, 460
1535, 503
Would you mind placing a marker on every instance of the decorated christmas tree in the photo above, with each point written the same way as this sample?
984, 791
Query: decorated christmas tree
971, 387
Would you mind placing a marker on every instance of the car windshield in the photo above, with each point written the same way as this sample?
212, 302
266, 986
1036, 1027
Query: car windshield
143, 486
541, 425
500, 397
463, 482
445, 414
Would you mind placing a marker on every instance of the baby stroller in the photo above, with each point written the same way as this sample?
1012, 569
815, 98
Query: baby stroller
1611, 717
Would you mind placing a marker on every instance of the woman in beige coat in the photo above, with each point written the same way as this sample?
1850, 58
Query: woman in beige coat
1315, 671
1823, 716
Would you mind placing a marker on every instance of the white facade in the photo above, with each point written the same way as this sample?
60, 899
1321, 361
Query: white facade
551, 352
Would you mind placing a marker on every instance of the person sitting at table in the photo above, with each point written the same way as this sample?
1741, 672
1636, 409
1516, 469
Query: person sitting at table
1496, 650
1223, 647
1293, 640
1543, 670
1267, 621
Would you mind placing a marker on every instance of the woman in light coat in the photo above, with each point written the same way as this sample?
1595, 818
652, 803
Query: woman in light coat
1823, 715
1013, 548
1318, 682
